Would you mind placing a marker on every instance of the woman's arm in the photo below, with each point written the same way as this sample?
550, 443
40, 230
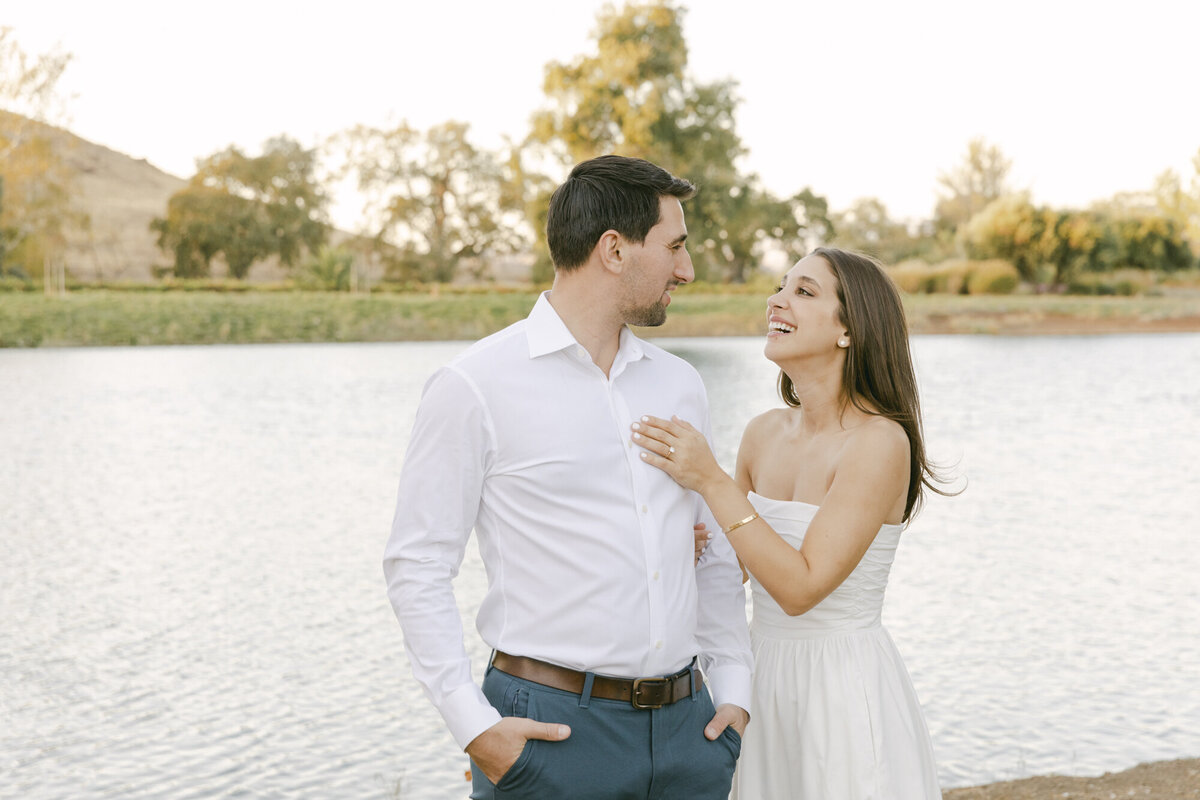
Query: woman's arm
703, 536
871, 473
747, 452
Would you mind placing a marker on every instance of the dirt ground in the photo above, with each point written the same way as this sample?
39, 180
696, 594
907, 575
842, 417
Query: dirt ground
1161, 780
1016, 324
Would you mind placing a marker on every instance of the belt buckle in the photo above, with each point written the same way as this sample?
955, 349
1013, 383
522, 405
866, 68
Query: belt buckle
637, 685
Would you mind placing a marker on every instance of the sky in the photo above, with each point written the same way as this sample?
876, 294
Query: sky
851, 99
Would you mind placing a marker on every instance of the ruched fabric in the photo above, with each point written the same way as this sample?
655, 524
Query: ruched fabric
834, 713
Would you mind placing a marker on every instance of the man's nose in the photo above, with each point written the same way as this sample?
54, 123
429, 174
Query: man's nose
685, 272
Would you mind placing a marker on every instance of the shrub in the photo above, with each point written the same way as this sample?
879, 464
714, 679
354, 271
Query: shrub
994, 276
328, 269
952, 275
1184, 279
956, 276
15, 283
1125, 282
911, 276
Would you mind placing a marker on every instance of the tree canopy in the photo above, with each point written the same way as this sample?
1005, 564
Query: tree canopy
633, 96
245, 208
35, 184
1053, 246
436, 205
433, 198
1181, 204
867, 227
978, 179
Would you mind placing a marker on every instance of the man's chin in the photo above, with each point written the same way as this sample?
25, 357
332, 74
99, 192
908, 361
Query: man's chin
650, 317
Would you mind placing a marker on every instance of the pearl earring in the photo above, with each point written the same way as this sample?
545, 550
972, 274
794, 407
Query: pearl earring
843, 342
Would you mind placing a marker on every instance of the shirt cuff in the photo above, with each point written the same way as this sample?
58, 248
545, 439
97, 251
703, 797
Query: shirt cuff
467, 714
730, 684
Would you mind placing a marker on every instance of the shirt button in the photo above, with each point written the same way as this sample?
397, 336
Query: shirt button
655, 574
644, 508
658, 645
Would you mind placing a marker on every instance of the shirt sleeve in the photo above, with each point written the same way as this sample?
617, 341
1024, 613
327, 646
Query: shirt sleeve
436, 505
721, 627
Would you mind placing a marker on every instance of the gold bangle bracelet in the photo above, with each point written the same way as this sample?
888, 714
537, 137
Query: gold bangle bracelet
742, 522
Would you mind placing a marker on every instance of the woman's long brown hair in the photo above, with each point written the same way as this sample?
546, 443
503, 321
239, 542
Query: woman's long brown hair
878, 376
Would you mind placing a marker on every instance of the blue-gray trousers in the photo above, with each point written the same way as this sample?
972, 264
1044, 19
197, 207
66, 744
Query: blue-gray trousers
615, 751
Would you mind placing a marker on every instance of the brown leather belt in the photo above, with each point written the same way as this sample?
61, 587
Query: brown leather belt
642, 693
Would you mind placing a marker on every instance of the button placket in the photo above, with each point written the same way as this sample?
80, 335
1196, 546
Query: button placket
640, 481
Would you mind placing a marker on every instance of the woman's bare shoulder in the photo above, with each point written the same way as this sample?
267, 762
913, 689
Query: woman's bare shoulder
772, 421
879, 435
761, 429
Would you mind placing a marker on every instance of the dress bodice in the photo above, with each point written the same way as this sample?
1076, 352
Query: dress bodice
834, 711
854, 605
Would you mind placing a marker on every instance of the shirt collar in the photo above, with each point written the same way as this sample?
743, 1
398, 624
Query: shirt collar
547, 333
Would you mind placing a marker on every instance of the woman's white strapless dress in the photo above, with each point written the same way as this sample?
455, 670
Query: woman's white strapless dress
834, 715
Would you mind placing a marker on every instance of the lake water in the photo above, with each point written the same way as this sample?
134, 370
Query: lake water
192, 605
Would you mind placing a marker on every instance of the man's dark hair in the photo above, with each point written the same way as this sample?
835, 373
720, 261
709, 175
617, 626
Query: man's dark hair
609, 192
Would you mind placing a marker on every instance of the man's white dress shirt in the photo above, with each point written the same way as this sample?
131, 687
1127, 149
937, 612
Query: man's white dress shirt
588, 549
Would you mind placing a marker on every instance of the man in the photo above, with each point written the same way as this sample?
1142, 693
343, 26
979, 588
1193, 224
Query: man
594, 610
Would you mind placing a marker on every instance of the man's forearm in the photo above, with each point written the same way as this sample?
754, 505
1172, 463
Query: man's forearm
433, 636
436, 504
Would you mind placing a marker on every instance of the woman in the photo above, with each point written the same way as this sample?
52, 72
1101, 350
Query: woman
822, 491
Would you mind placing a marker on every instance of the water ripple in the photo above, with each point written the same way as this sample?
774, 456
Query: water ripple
193, 606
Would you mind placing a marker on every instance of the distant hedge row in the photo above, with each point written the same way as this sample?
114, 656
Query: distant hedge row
958, 276
998, 276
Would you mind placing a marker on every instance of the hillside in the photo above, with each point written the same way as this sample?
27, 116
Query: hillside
120, 195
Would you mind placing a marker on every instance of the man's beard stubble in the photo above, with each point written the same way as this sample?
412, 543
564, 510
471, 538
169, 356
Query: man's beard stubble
645, 316
650, 316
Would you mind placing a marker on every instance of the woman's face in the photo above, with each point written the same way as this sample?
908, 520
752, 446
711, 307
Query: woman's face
803, 315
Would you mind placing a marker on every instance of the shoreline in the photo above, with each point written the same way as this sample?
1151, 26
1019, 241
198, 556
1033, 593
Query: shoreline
1022, 324
121, 318
987, 323
1162, 780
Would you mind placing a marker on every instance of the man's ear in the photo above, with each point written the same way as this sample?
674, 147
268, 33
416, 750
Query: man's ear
611, 249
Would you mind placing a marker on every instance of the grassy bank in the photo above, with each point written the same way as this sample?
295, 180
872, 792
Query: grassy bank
108, 317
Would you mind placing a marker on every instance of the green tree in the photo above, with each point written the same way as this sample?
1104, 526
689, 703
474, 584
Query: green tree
1047, 246
866, 226
980, 178
433, 198
3, 232
35, 183
1181, 204
245, 208
28, 83
1073, 242
1151, 242
1010, 228
525, 194
1051, 246
633, 96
